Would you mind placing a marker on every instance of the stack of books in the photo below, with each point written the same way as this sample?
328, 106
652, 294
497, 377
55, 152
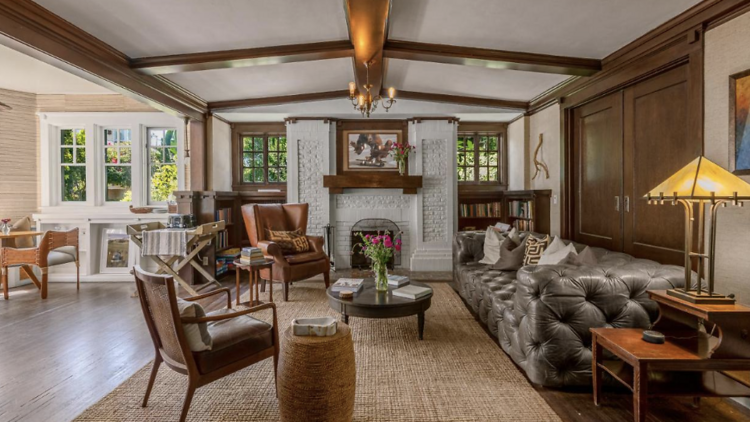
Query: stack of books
412, 292
353, 285
397, 280
252, 256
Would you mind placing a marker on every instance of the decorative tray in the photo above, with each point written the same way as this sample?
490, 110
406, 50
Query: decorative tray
316, 327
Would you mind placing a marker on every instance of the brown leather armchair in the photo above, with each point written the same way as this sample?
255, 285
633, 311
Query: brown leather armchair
260, 218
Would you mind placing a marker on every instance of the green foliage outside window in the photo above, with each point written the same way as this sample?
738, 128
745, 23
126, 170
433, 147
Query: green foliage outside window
162, 163
73, 165
264, 159
478, 158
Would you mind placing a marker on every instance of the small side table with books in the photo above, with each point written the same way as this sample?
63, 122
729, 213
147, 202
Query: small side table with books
253, 268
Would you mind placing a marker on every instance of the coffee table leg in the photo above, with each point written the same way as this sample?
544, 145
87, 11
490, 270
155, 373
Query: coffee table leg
345, 318
596, 371
237, 271
420, 321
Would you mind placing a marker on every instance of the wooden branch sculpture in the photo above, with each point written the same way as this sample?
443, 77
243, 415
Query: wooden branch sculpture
539, 164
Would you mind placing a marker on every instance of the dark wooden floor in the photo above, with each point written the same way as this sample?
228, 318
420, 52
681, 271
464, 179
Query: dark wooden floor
60, 356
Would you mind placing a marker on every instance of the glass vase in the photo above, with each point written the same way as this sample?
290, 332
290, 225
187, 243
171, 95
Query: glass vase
381, 276
401, 168
5, 228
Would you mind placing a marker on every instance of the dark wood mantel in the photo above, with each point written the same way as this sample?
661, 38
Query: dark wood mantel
337, 184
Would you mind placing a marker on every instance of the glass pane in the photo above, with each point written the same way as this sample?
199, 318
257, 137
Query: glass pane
163, 182
282, 143
273, 175
125, 136
470, 144
492, 158
155, 137
493, 174
461, 144
482, 143
273, 160
247, 160
282, 174
469, 174
156, 156
482, 158
66, 155
469, 159
171, 155
118, 184
247, 143
461, 174
247, 175
493, 143
483, 174
81, 155
282, 159
110, 137
461, 159
257, 144
170, 137
125, 155
259, 159
259, 176
66, 137
273, 143
73, 183
80, 137
110, 155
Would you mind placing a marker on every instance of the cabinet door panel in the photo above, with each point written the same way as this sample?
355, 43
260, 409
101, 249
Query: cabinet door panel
597, 173
657, 144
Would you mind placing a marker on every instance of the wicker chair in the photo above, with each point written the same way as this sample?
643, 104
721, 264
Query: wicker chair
238, 341
55, 248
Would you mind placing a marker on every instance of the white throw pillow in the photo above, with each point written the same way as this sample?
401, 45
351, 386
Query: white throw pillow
557, 257
492, 242
198, 337
555, 246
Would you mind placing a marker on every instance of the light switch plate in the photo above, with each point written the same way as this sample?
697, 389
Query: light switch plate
554, 199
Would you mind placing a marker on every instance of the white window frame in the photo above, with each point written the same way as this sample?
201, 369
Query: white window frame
75, 147
105, 164
147, 157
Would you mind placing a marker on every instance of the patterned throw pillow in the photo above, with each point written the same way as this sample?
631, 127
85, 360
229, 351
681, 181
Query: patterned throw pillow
291, 242
534, 249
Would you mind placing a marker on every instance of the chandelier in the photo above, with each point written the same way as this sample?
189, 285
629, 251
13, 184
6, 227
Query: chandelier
364, 102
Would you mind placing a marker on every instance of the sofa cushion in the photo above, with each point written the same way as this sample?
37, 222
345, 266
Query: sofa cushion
560, 256
534, 249
22, 225
196, 334
305, 257
290, 242
58, 257
492, 241
587, 257
511, 256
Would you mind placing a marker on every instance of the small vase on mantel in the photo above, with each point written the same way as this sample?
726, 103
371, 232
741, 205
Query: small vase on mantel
5, 226
401, 168
381, 276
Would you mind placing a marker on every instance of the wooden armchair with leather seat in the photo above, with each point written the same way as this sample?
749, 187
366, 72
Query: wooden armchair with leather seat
288, 267
237, 339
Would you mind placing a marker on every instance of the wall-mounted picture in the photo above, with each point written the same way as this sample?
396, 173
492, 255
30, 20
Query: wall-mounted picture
115, 251
739, 130
370, 150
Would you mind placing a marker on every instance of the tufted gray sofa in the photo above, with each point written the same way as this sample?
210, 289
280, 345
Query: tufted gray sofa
541, 315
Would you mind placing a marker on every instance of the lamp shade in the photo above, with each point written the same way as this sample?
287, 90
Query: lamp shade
701, 179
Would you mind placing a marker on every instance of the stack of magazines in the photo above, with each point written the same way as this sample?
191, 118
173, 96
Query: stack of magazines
397, 280
347, 285
412, 292
252, 256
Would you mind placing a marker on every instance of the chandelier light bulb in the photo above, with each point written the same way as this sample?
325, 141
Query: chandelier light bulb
352, 88
391, 92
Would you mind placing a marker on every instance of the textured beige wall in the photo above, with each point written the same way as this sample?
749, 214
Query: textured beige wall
727, 53
547, 123
518, 154
19, 156
87, 103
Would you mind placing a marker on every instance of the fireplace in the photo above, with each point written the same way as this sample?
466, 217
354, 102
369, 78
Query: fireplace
372, 226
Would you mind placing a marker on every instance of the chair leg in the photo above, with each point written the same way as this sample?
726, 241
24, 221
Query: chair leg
276, 367
188, 399
154, 370
4, 281
44, 283
286, 291
327, 278
78, 276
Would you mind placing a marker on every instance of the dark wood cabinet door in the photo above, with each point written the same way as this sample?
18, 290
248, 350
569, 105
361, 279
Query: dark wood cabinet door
597, 173
657, 143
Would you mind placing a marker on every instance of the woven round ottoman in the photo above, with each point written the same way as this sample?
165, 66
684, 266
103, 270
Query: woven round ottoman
316, 377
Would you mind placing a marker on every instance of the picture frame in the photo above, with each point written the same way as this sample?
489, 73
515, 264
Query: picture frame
115, 252
368, 150
739, 123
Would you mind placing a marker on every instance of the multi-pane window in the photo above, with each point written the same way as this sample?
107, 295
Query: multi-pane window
162, 164
73, 165
117, 165
263, 158
478, 158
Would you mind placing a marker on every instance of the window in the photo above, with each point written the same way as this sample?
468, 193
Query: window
263, 159
117, 165
162, 164
73, 165
478, 158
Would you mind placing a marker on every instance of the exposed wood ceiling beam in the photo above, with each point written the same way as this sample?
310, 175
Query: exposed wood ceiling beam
56, 41
368, 28
495, 59
458, 99
283, 99
243, 58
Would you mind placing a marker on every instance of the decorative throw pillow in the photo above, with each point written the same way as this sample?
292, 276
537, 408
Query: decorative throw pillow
586, 258
555, 246
511, 255
198, 337
492, 242
561, 256
23, 225
291, 242
514, 236
534, 249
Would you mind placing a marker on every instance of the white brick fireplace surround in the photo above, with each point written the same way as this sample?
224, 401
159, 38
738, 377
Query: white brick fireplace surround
427, 219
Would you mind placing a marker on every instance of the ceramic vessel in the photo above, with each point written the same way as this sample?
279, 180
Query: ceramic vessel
317, 327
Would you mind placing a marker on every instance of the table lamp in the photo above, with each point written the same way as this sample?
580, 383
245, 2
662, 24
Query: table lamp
701, 182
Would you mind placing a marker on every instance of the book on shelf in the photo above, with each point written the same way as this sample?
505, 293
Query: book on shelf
397, 280
347, 285
522, 209
493, 209
412, 292
524, 225
224, 214
222, 240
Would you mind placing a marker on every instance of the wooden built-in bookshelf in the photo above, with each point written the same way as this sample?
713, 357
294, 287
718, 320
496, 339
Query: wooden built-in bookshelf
527, 210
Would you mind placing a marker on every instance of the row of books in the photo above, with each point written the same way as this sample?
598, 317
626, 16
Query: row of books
494, 209
224, 214
252, 256
524, 225
225, 260
222, 239
524, 209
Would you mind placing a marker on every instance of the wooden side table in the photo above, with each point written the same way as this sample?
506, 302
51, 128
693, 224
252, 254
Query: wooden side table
254, 273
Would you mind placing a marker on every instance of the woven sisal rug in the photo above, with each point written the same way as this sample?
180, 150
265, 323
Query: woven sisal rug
456, 373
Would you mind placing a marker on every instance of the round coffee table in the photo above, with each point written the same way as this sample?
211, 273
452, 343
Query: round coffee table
370, 303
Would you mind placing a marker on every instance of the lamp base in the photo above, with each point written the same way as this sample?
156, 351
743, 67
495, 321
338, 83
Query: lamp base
702, 298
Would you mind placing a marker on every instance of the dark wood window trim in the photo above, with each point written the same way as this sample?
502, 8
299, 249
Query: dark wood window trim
261, 130
477, 130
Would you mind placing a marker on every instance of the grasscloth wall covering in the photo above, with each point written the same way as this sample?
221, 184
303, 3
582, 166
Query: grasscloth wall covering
19, 156
86, 103
726, 54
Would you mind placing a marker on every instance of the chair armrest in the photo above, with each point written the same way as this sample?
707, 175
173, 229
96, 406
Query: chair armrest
16, 256
273, 250
214, 318
316, 243
211, 293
